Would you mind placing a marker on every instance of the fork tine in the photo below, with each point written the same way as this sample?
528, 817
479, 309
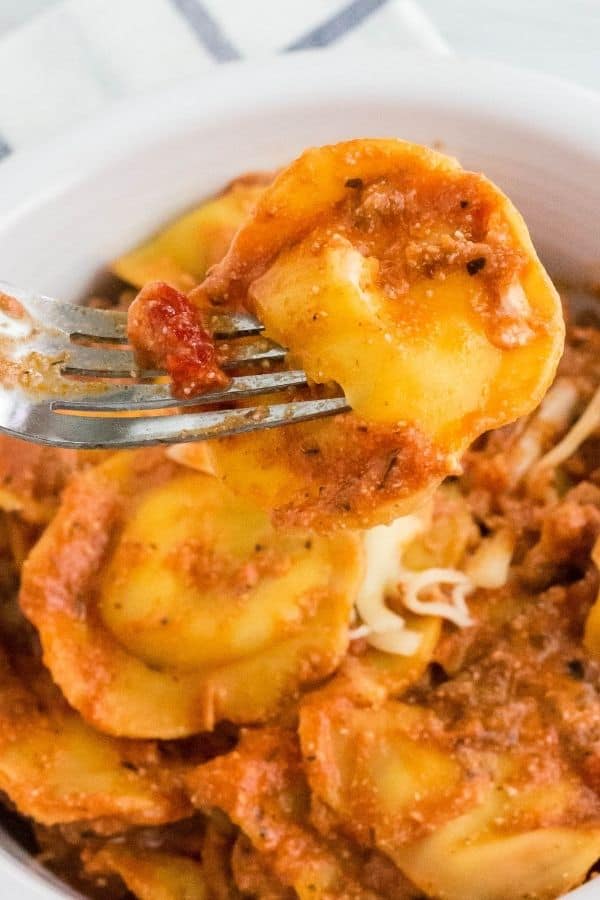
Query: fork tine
71, 318
78, 359
231, 325
111, 325
99, 324
55, 418
116, 363
43, 426
104, 362
262, 350
158, 396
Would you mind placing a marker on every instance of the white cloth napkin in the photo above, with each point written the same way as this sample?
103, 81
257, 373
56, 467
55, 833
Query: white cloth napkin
77, 56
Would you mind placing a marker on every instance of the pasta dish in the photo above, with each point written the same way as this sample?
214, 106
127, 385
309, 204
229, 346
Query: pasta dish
350, 659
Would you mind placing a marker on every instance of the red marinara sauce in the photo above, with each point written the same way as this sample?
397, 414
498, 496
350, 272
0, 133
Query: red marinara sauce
166, 331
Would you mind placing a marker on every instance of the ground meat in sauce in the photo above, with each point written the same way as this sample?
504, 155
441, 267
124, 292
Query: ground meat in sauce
416, 225
521, 679
430, 227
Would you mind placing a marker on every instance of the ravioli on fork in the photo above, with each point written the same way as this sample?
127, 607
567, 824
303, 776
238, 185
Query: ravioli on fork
412, 285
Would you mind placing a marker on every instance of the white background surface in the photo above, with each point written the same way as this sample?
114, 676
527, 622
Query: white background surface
64, 61
561, 37
72, 59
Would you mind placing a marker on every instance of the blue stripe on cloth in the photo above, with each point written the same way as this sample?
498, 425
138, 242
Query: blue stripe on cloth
207, 30
338, 25
5, 148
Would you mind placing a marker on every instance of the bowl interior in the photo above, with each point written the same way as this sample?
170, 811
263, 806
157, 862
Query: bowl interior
73, 206
68, 208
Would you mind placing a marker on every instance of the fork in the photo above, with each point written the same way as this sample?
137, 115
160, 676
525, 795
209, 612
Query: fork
60, 363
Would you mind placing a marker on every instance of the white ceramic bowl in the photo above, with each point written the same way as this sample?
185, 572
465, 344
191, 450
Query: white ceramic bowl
67, 208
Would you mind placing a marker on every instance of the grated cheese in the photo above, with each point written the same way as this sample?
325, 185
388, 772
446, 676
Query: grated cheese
386, 575
555, 412
488, 567
455, 609
584, 427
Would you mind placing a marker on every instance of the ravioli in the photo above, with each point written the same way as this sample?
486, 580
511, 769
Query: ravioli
182, 252
58, 770
261, 787
164, 603
326, 475
388, 771
32, 478
152, 874
370, 675
479, 856
387, 270
460, 821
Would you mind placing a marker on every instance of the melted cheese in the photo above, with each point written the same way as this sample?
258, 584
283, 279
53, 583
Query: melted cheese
585, 426
555, 412
386, 576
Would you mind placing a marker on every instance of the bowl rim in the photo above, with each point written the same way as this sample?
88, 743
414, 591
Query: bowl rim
465, 83
483, 88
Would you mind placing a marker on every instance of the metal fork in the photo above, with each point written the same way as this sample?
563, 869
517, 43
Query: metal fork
54, 368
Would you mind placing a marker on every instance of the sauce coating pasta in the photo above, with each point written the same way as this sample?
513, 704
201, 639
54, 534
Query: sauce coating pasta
387, 270
291, 665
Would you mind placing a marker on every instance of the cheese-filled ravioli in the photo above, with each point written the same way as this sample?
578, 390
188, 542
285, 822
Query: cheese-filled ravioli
411, 284
57, 769
262, 788
463, 811
165, 603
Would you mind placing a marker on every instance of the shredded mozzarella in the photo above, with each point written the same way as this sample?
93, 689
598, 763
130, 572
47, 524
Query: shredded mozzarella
386, 575
584, 427
555, 412
488, 567
455, 609
402, 642
361, 631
